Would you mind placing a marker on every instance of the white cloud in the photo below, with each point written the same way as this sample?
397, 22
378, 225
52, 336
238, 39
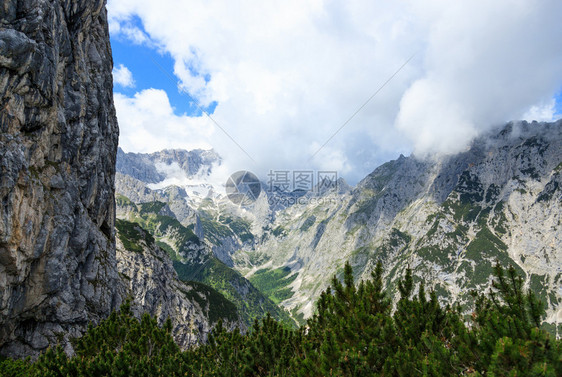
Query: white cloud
433, 120
542, 112
122, 76
485, 63
287, 74
148, 124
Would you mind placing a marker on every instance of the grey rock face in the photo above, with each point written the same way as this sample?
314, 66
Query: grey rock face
138, 166
388, 189
176, 199
135, 190
58, 144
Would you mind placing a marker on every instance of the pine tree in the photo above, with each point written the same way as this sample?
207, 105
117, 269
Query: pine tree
354, 332
507, 328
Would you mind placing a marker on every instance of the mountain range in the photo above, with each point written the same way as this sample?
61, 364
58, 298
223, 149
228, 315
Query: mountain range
447, 217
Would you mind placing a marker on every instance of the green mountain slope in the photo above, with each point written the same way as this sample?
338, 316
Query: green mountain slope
143, 246
194, 263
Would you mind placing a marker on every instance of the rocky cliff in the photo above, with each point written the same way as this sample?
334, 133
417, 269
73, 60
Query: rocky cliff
59, 269
58, 146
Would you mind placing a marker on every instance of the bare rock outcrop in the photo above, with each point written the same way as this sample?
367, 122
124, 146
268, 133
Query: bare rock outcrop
58, 145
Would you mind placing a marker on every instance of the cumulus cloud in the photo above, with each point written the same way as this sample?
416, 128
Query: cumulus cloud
485, 62
122, 76
287, 74
148, 123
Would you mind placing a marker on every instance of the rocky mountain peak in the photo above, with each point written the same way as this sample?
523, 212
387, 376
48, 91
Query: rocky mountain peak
157, 166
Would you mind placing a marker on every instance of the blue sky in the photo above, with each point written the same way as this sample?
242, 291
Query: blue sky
280, 79
151, 69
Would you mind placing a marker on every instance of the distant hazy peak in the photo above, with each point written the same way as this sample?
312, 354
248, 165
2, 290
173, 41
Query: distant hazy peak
152, 167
